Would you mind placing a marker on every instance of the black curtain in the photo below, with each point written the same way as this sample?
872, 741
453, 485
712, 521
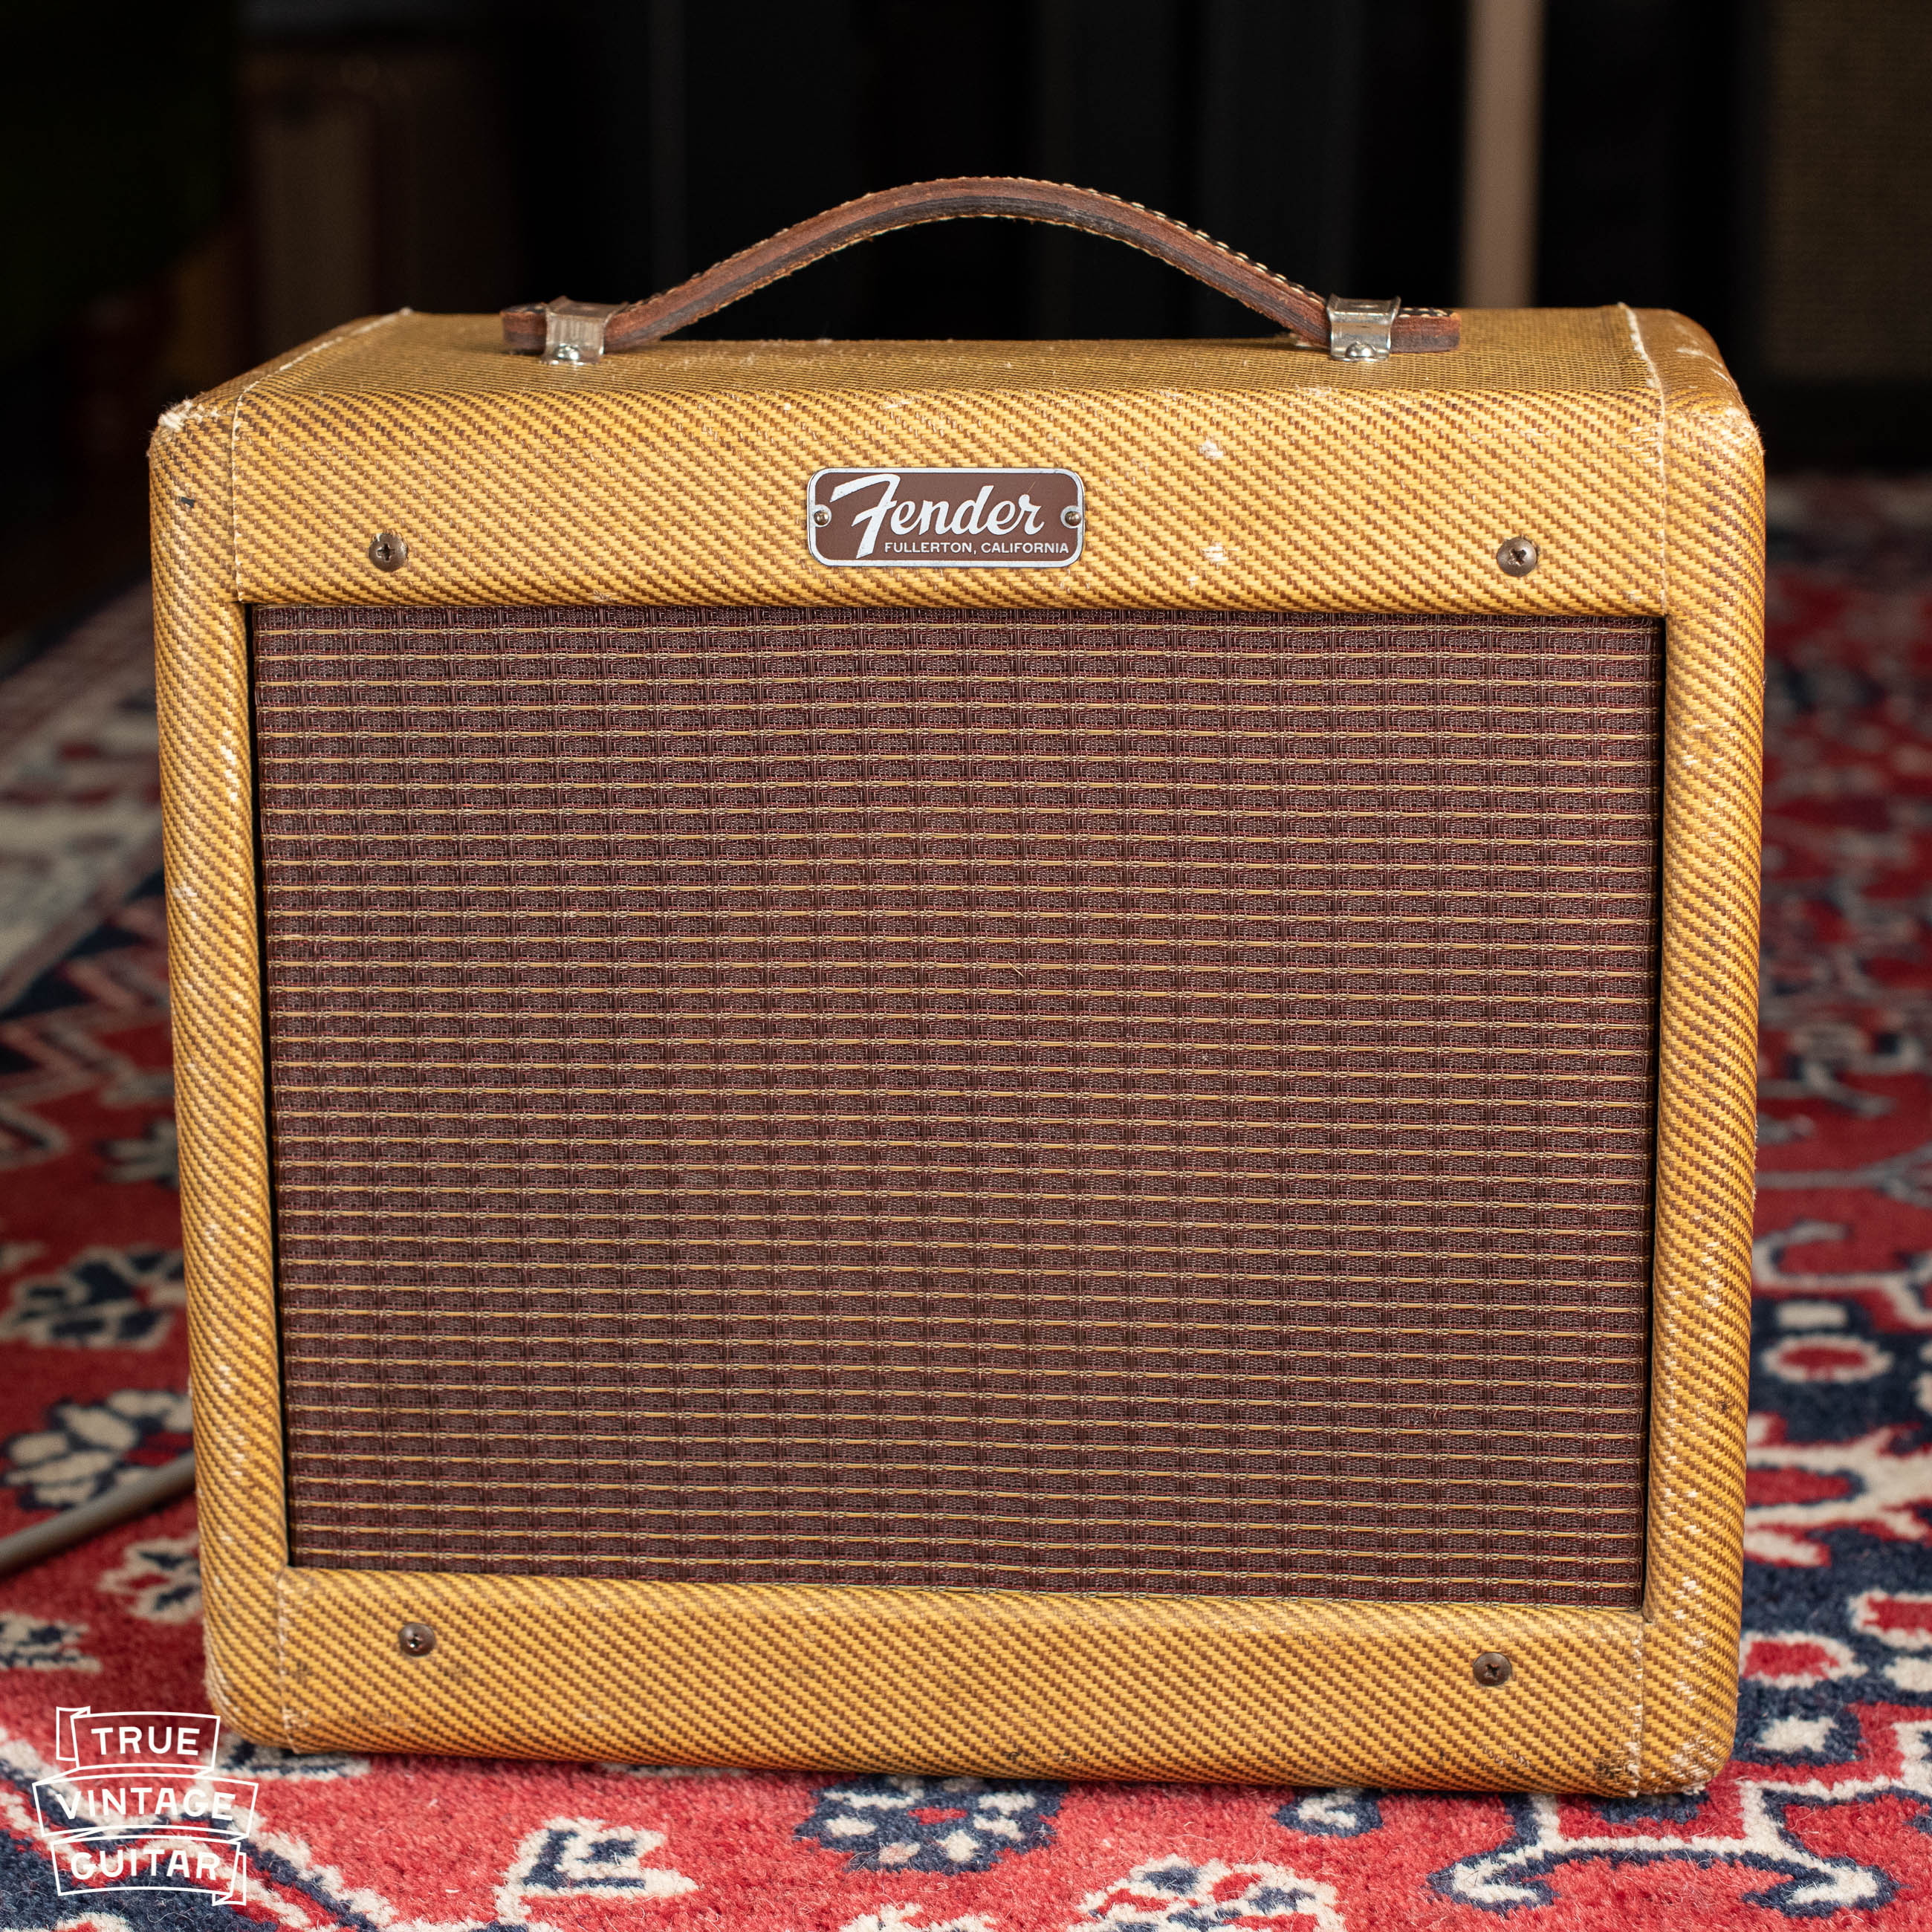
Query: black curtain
658, 135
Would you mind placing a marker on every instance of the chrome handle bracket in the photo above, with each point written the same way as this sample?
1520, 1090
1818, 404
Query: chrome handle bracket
1359, 327
573, 331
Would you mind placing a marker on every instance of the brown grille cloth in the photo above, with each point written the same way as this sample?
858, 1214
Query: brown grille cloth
1136, 1102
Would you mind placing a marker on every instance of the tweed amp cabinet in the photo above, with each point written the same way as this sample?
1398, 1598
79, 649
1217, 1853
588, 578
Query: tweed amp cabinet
1013, 1058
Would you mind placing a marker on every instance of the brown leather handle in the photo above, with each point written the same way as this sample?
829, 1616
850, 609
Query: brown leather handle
1285, 303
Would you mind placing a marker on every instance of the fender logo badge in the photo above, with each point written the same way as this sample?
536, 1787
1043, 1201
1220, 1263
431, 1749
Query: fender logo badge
946, 519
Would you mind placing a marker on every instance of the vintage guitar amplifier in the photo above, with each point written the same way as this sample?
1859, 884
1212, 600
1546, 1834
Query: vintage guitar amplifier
1031, 1058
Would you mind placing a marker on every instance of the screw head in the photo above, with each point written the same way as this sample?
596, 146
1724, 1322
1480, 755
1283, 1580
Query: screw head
1492, 1668
1519, 557
821, 516
415, 1640
388, 551
1070, 516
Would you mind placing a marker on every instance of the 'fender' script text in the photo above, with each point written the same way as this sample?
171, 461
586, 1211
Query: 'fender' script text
1024, 519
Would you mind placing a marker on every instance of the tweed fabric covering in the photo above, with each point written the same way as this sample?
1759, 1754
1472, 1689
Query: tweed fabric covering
1620, 434
936, 1099
1712, 552
1220, 475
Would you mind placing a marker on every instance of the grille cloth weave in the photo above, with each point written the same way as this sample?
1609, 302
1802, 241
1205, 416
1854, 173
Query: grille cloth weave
1056, 1102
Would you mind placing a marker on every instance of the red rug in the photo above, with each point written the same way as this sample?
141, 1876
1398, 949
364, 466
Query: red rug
1823, 1814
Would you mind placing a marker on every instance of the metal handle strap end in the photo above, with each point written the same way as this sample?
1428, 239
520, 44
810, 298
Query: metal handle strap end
573, 331
1360, 327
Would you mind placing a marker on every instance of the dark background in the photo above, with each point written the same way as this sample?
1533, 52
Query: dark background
187, 187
